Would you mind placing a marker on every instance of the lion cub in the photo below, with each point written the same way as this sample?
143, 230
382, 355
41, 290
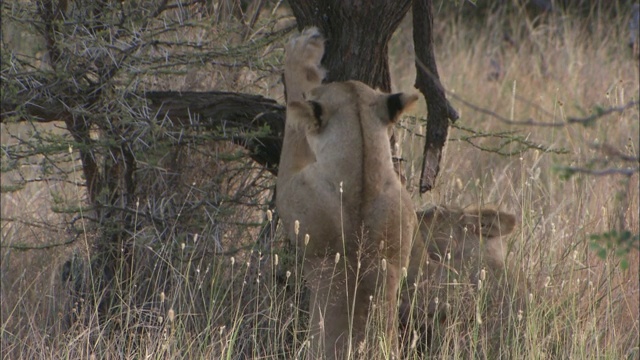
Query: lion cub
336, 184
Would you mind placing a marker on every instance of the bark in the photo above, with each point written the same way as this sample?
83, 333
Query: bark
79, 130
428, 82
357, 33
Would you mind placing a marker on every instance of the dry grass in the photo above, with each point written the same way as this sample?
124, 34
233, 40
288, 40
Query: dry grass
206, 306
554, 71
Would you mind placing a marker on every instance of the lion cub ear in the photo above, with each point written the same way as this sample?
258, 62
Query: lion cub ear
492, 223
305, 113
397, 103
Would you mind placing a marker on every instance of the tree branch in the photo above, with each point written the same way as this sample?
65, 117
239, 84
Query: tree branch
570, 170
588, 120
233, 113
428, 82
47, 246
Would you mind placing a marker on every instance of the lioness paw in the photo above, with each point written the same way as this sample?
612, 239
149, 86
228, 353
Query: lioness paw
302, 69
306, 48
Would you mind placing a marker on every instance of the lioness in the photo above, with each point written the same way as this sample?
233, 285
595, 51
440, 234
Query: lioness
461, 254
337, 184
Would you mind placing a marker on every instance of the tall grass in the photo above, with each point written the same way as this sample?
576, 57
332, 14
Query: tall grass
582, 306
188, 303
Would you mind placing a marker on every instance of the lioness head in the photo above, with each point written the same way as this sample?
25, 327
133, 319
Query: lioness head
341, 111
465, 253
462, 236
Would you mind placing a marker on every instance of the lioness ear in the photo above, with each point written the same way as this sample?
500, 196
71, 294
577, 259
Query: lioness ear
492, 223
432, 217
425, 221
427, 215
305, 113
397, 103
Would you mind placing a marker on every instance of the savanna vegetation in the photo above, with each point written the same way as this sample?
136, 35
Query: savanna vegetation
136, 227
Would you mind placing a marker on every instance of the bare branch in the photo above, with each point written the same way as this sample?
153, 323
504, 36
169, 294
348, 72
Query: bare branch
615, 153
600, 112
428, 82
532, 122
25, 247
570, 170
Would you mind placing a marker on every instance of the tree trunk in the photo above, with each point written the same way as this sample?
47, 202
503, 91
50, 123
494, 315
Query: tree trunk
357, 33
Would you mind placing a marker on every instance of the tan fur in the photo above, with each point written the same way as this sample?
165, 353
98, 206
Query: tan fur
457, 245
337, 180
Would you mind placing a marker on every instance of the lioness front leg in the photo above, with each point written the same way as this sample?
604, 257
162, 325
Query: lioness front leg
302, 73
302, 70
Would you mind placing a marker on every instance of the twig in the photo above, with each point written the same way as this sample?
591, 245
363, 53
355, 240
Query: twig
24, 247
615, 153
506, 137
602, 112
